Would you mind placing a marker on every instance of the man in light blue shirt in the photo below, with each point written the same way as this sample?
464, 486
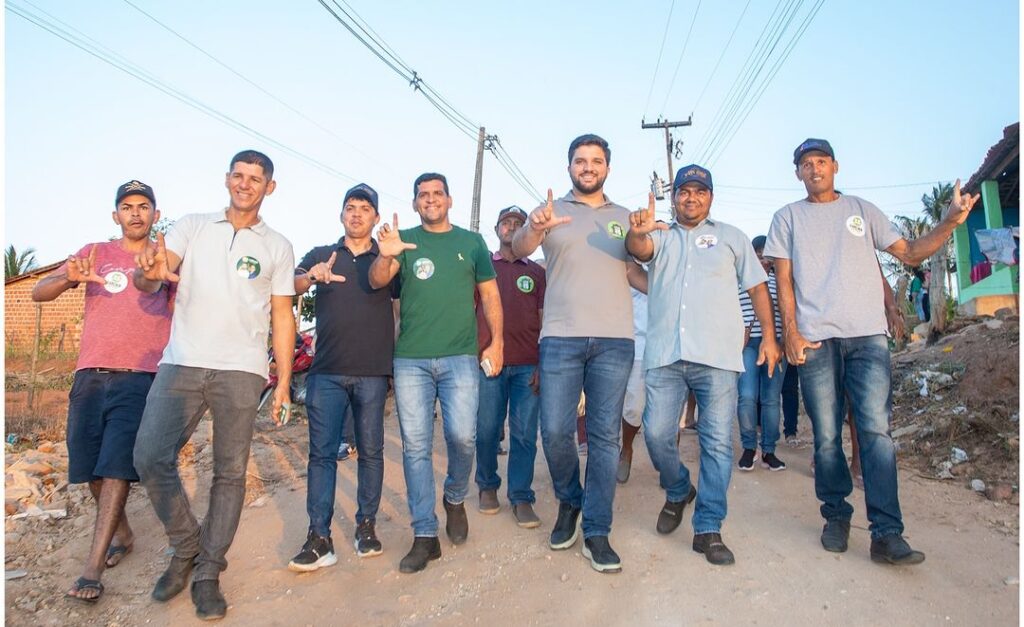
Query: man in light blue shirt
695, 333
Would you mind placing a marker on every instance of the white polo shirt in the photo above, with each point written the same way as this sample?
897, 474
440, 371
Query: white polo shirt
222, 309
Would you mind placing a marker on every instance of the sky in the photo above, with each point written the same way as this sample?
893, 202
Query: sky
908, 93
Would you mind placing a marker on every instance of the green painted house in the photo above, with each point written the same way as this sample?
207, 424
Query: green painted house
998, 182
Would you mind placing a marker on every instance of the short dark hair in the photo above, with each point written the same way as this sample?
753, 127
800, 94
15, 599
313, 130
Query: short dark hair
590, 140
254, 157
759, 242
429, 176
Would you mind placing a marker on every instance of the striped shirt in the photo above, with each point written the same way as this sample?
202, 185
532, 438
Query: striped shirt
747, 309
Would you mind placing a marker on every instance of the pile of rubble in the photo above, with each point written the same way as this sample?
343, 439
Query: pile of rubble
35, 481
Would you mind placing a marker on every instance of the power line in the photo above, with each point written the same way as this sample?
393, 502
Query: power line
661, 50
721, 56
686, 43
256, 85
93, 48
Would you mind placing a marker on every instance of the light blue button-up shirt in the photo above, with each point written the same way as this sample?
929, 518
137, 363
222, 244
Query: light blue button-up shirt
693, 308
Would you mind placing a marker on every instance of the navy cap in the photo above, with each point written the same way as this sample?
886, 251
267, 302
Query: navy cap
363, 191
134, 187
514, 211
694, 173
821, 145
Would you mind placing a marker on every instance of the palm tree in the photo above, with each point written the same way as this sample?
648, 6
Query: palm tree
910, 229
18, 263
935, 205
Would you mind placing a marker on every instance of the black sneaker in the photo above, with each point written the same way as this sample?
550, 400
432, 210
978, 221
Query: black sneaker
835, 535
747, 459
602, 557
566, 530
771, 462
893, 549
423, 550
317, 552
672, 513
367, 544
457, 525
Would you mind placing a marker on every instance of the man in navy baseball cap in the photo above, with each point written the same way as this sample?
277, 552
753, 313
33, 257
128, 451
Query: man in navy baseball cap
810, 145
694, 173
363, 192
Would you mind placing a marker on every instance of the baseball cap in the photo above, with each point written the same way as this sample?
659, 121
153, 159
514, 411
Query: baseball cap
364, 192
134, 187
821, 145
695, 173
514, 210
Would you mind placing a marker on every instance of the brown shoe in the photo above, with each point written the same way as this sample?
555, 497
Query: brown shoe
525, 516
457, 525
489, 502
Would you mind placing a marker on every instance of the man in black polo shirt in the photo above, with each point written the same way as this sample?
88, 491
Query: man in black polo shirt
355, 338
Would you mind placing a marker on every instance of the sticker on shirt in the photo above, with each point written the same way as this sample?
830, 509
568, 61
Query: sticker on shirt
615, 230
855, 225
248, 267
706, 241
423, 268
116, 282
525, 284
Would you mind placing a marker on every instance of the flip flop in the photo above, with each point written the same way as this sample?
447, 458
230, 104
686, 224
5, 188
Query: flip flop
87, 584
117, 553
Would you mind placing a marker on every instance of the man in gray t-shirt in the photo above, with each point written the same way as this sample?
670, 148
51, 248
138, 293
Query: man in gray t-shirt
586, 343
834, 330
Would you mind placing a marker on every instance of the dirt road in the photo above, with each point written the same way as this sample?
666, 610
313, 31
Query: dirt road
506, 575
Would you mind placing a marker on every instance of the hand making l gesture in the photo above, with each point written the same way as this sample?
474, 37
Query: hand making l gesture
390, 241
960, 207
323, 272
543, 217
153, 262
642, 221
84, 269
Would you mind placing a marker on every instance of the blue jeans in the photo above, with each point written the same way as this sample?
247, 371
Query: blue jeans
418, 383
715, 389
508, 392
755, 387
329, 397
860, 366
600, 368
790, 400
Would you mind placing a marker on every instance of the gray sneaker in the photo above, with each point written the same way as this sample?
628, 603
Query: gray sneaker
525, 516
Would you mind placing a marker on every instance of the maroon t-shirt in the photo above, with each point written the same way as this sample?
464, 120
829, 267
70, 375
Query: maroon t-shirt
521, 284
123, 327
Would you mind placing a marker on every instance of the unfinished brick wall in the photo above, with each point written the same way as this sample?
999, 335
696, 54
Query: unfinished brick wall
61, 319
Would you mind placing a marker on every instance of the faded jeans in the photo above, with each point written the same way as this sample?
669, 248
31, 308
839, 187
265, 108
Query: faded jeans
178, 398
756, 388
418, 383
860, 366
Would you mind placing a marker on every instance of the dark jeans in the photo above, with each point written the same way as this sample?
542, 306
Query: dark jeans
861, 367
509, 392
328, 400
179, 397
759, 400
790, 400
600, 368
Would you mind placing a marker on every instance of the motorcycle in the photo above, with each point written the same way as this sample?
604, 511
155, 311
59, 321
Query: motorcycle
305, 343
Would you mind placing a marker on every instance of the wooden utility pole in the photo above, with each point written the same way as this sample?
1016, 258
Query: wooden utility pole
35, 357
665, 124
474, 216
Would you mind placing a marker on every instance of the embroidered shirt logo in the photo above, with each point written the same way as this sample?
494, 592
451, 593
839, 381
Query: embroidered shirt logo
460, 257
423, 268
248, 267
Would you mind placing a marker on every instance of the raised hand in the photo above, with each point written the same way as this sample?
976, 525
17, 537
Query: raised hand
543, 217
153, 262
960, 207
390, 240
80, 269
324, 272
642, 221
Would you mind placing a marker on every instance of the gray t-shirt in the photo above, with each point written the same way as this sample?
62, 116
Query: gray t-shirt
835, 271
587, 293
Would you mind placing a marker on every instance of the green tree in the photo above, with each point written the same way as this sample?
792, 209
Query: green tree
16, 263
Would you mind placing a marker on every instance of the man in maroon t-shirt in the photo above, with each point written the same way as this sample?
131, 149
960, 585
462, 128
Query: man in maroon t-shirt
513, 392
123, 337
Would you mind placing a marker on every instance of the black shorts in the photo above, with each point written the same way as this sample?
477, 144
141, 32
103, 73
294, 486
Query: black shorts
104, 413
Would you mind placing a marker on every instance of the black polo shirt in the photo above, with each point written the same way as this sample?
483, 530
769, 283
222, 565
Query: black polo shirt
355, 325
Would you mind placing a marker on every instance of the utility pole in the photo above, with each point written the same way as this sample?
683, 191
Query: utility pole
474, 216
665, 124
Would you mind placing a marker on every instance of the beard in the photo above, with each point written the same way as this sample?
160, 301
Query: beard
594, 187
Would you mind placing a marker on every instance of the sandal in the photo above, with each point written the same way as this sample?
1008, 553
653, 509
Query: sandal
116, 553
86, 584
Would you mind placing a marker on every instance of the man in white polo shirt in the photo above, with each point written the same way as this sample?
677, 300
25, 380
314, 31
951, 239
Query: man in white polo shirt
235, 279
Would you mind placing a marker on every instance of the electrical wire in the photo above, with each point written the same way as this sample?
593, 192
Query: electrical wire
686, 43
661, 50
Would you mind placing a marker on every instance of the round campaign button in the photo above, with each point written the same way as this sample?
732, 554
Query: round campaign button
116, 282
525, 284
855, 225
423, 268
248, 267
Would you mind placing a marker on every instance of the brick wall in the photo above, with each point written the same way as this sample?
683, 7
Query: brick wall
61, 319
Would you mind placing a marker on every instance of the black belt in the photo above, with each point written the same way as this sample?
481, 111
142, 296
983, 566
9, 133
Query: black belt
114, 370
